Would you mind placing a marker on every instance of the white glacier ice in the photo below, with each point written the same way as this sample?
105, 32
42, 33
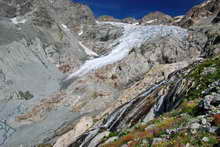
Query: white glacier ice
133, 36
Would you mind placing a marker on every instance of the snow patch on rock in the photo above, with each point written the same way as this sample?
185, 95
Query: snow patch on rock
151, 21
87, 50
178, 18
64, 26
17, 20
81, 31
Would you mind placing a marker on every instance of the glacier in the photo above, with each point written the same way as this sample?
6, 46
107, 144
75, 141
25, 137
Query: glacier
133, 36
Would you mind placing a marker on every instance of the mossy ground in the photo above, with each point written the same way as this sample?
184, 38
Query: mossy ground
186, 137
141, 132
44, 145
202, 81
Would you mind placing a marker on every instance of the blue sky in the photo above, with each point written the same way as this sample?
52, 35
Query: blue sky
138, 8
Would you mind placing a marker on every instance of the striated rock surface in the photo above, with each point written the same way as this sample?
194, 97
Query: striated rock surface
32, 46
84, 124
193, 116
197, 114
161, 98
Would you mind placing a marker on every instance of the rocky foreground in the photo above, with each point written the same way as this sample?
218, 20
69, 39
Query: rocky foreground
69, 80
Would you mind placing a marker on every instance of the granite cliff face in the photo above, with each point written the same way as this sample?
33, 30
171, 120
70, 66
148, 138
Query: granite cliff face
67, 79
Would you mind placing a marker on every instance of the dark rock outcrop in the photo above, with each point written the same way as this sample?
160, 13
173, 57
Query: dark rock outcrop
204, 13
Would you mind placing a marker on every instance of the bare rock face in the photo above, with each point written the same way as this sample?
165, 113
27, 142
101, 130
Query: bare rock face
65, 48
29, 91
6, 10
108, 18
156, 18
204, 13
13, 8
130, 20
74, 15
84, 124
154, 75
169, 50
23, 59
100, 36
31, 47
212, 33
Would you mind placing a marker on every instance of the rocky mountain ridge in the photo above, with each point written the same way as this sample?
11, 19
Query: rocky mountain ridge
204, 13
153, 18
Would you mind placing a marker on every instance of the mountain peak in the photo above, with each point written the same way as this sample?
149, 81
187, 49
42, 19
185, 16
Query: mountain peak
156, 17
